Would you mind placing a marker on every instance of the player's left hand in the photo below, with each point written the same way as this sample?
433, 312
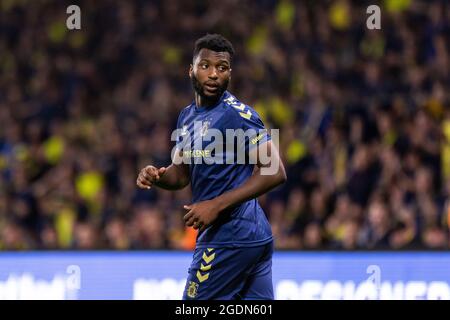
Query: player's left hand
201, 214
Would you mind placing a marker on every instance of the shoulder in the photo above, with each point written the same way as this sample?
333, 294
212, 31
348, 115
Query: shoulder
239, 111
185, 111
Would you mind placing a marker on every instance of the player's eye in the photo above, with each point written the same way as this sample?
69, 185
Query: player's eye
223, 68
204, 66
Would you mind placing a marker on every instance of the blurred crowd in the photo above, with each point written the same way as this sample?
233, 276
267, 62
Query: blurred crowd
364, 119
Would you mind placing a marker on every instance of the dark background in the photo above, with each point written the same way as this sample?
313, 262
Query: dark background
363, 114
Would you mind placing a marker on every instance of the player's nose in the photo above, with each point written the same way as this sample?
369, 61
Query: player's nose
213, 74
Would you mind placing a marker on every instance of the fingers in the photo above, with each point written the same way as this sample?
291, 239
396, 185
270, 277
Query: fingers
142, 185
189, 213
148, 176
189, 218
203, 227
142, 181
191, 222
151, 173
198, 225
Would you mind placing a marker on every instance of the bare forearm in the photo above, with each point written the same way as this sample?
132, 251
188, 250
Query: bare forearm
255, 186
174, 178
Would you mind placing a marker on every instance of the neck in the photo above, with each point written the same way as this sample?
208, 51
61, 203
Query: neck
202, 101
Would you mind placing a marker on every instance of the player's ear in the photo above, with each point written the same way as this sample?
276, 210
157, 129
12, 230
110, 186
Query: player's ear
191, 69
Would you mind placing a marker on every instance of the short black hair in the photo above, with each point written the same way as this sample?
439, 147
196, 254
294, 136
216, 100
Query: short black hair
214, 42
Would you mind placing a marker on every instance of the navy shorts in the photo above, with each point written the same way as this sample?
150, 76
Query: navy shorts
231, 274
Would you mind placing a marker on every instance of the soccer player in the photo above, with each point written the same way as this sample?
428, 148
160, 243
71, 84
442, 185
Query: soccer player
233, 254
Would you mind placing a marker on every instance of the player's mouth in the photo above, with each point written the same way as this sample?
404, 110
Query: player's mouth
211, 86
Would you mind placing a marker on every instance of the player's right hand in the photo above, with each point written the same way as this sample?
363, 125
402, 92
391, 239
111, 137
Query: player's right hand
148, 176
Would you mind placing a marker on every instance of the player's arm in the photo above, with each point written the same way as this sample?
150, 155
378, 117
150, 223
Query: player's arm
269, 173
174, 177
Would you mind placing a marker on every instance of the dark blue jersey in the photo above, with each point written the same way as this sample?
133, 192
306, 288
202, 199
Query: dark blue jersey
218, 165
